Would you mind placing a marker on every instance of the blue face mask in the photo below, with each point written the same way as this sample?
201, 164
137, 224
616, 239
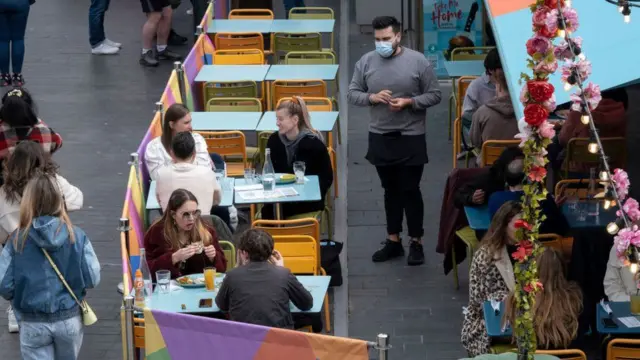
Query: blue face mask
385, 48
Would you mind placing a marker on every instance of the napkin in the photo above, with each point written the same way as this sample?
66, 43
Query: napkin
174, 286
249, 187
495, 304
606, 307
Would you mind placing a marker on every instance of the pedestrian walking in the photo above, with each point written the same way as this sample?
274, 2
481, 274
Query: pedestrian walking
158, 25
398, 85
13, 25
100, 45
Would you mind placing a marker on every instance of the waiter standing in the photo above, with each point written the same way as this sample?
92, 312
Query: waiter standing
398, 85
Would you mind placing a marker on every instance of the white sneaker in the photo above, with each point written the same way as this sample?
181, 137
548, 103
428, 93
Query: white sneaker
190, 12
104, 49
13, 323
112, 43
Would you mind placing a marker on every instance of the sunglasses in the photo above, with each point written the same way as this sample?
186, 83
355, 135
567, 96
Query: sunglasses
187, 215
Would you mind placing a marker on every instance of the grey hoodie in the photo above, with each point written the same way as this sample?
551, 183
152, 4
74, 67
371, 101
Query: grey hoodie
496, 120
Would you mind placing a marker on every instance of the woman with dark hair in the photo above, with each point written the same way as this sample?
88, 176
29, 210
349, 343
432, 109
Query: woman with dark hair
13, 25
491, 276
177, 119
296, 140
19, 122
180, 241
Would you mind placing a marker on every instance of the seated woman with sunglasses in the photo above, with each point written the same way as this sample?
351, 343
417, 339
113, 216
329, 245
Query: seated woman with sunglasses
296, 140
180, 241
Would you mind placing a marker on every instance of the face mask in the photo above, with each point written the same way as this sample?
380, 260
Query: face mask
385, 48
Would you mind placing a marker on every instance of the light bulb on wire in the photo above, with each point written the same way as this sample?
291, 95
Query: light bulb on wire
593, 147
604, 176
567, 86
626, 12
585, 119
620, 8
567, 3
562, 33
613, 228
633, 268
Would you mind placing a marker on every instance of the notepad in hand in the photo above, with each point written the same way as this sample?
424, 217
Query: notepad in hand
249, 187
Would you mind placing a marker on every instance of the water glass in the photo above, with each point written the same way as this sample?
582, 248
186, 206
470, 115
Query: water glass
572, 204
249, 175
299, 168
581, 212
269, 183
163, 277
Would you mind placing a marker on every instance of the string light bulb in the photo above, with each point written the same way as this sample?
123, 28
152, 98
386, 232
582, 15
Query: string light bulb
633, 267
604, 175
567, 86
633, 260
593, 147
626, 12
609, 199
562, 33
567, 3
585, 119
613, 228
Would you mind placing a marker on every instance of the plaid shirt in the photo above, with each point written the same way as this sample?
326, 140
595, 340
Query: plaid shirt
40, 133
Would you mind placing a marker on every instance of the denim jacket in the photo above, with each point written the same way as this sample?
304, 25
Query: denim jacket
29, 281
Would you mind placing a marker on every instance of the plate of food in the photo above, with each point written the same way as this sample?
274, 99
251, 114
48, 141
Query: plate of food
285, 178
191, 281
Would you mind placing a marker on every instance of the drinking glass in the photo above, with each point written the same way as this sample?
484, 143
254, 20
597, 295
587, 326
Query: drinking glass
163, 277
581, 212
210, 278
635, 304
299, 168
249, 175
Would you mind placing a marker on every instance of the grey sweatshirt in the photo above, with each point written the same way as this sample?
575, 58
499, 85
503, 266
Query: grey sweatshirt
407, 75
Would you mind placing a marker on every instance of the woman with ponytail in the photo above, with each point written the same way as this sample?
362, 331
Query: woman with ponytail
296, 140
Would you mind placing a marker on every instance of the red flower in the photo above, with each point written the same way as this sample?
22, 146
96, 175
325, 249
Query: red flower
522, 224
533, 286
535, 114
525, 249
537, 173
553, 4
543, 31
540, 91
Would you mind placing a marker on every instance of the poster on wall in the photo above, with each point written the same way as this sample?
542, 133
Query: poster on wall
448, 22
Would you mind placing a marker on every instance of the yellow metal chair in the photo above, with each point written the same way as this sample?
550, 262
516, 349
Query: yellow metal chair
218, 89
456, 99
491, 150
468, 236
307, 226
310, 58
228, 143
286, 42
567, 354
305, 88
238, 57
234, 105
334, 167
579, 159
251, 14
623, 349
313, 103
229, 253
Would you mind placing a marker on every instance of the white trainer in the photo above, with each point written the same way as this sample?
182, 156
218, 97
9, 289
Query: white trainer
13, 323
112, 43
190, 12
104, 49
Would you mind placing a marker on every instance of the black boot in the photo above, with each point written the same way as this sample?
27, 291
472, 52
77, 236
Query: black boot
175, 39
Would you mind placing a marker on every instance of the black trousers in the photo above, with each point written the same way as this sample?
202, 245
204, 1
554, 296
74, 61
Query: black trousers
402, 196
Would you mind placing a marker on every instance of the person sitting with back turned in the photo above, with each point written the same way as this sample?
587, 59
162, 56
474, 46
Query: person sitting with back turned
183, 173
260, 289
481, 90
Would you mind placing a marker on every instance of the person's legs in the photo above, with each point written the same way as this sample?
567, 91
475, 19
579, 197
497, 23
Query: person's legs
36, 341
164, 29
18, 26
414, 211
149, 30
393, 207
5, 49
67, 338
96, 22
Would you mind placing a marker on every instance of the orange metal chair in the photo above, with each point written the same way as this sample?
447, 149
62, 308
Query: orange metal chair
334, 166
239, 41
491, 150
228, 143
457, 140
313, 103
238, 57
623, 349
568, 354
289, 88
251, 14
457, 96
577, 188
579, 159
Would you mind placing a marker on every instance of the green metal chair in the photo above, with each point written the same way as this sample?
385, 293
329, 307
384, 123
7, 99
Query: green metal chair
242, 89
313, 13
310, 58
468, 236
234, 105
229, 253
286, 42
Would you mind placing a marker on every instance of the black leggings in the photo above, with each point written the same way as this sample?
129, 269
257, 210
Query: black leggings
402, 195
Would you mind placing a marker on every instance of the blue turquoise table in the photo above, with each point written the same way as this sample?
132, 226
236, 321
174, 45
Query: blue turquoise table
225, 121
478, 217
152, 199
309, 191
320, 120
302, 26
493, 322
255, 73
239, 26
173, 301
619, 309
302, 72
464, 68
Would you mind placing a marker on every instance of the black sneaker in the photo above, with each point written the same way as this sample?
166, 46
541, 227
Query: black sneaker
5, 80
147, 59
416, 254
175, 39
390, 250
167, 54
17, 80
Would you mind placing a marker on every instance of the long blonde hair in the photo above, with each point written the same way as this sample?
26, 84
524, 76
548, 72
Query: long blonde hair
496, 237
41, 197
171, 233
557, 306
298, 107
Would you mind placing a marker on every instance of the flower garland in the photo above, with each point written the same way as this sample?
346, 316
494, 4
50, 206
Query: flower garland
551, 19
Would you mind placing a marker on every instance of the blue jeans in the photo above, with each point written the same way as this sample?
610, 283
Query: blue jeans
96, 21
290, 4
60, 340
13, 25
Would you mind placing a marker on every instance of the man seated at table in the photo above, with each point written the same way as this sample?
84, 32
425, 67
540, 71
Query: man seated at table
184, 173
481, 90
555, 222
619, 282
260, 289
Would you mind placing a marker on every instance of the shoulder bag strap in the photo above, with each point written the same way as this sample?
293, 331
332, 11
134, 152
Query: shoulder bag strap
55, 268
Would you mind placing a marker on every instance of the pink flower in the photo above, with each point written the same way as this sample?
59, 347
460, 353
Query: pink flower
551, 21
550, 104
621, 181
570, 19
631, 208
524, 94
525, 133
563, 52
546, 130
540, 16
592, 95
581, 67
539, 45
625, 238
546, 67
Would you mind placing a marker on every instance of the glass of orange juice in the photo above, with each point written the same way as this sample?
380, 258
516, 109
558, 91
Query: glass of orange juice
210, 278
635, 304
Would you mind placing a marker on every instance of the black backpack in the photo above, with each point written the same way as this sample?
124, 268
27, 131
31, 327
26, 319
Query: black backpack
330, 259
